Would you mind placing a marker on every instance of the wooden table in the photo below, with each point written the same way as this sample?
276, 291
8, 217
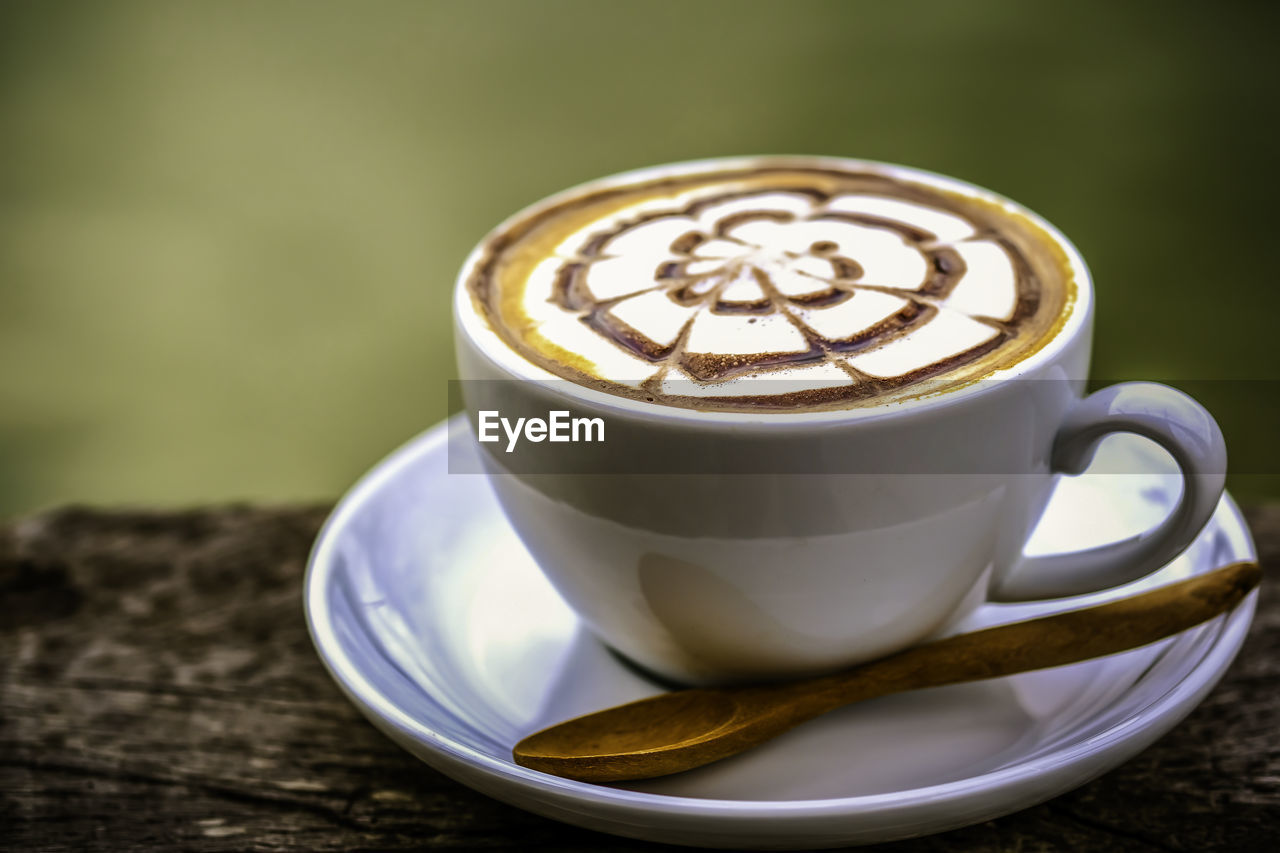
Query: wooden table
159, 690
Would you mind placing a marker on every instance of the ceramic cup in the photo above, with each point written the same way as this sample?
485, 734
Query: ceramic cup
869, 530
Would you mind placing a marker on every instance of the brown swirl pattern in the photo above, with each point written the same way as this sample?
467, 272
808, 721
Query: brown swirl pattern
848, 292
737, 267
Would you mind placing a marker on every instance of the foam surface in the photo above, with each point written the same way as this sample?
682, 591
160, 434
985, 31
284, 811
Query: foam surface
714, 283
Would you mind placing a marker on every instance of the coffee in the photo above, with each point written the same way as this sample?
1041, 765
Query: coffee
745, 330
773, 284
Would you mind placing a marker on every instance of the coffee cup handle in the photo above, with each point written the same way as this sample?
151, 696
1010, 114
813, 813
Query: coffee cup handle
1178, 424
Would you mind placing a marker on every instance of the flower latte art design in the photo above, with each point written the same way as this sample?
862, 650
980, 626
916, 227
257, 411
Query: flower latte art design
775, 289
731, 286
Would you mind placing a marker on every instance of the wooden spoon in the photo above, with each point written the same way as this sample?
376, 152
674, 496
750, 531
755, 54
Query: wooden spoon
689, 728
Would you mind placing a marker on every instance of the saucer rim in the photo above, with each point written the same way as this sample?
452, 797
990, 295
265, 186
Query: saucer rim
1127, 736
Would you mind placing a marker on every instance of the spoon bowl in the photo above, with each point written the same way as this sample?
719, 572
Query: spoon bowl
593, 747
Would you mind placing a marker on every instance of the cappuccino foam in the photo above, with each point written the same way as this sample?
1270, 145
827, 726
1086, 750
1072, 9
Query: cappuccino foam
786, 284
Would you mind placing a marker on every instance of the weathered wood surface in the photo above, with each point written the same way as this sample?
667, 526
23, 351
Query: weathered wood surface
159, 691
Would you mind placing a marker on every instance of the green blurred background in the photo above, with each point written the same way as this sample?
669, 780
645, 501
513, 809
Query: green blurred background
228, 231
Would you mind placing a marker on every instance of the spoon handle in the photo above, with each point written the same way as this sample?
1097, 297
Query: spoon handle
1048, 641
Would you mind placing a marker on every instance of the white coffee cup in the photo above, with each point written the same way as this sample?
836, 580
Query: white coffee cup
762, 572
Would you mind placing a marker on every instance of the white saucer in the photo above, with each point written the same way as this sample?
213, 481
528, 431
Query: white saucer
436, 623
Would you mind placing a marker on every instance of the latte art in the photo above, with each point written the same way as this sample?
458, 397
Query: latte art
775, 287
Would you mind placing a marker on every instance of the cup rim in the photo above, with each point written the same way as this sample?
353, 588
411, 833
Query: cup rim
488, 343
